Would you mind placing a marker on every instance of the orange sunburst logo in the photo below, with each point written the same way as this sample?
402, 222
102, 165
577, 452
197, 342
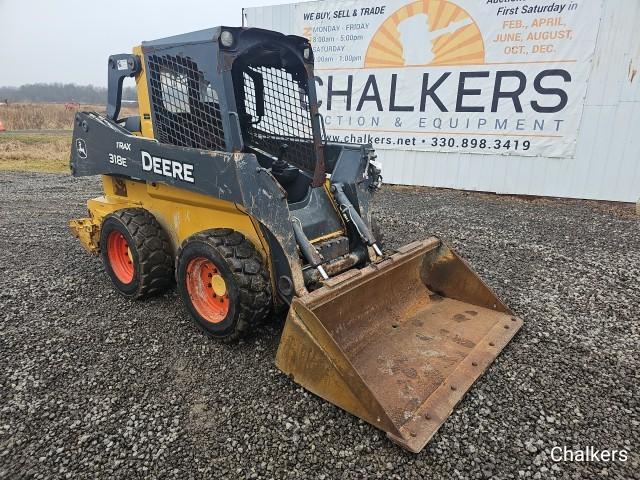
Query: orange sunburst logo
426, 32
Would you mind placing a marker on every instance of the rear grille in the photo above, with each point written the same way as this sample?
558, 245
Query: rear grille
185, 106
286, 117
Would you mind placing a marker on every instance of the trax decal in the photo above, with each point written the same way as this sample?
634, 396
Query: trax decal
454, 75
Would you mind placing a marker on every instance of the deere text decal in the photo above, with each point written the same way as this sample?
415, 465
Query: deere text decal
477, 76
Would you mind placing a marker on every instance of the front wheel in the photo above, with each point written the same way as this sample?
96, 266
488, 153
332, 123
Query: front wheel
223, 282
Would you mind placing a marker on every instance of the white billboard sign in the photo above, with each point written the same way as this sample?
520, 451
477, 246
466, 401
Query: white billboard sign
477, 76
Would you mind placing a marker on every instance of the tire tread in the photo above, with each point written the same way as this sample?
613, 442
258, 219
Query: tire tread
251, 276
154, 251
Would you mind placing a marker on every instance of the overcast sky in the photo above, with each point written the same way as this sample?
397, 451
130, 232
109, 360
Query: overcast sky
69, 40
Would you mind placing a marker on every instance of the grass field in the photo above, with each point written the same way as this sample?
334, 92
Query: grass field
34, 152
39, 116
45, 151
47, 116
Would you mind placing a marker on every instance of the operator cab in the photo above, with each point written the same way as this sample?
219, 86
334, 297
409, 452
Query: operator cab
271, 86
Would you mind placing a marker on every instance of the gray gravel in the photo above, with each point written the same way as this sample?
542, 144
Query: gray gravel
93, 385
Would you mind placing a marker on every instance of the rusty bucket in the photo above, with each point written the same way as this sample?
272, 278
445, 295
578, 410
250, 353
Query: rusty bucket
397, 343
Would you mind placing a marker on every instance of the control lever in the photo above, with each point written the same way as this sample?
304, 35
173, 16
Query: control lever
280, 163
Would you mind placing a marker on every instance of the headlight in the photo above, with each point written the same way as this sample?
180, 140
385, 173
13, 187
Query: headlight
226, 38
306, 53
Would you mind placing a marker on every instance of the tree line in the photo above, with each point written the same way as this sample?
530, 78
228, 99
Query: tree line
60, 93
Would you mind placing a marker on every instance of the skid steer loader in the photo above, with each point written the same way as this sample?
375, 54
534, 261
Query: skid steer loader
224, 183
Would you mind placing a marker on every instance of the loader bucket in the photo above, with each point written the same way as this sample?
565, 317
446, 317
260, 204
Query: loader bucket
397, 343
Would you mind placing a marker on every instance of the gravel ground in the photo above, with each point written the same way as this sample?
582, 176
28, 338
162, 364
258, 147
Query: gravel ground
93, 385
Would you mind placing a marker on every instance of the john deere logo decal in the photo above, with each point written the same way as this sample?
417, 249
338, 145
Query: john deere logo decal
81, 148
426, 32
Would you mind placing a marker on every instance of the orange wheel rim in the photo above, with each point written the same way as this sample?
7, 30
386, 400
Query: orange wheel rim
207, 289
120, 257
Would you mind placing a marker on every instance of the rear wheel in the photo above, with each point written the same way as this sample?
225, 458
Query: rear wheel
223, 283
136, 253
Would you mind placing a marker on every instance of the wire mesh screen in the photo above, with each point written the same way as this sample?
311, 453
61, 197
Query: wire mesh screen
186, 107
286, 118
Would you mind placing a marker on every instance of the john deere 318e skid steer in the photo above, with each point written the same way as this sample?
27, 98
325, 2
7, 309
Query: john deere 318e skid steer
224, 184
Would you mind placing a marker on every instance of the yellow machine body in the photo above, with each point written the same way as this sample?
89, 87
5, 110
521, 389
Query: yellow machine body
181, 213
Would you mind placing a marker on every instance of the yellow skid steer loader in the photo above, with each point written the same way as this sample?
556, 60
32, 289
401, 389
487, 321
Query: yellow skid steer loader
224, 183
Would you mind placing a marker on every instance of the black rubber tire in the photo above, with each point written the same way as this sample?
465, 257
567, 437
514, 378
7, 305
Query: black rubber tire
244, 272
150, 252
